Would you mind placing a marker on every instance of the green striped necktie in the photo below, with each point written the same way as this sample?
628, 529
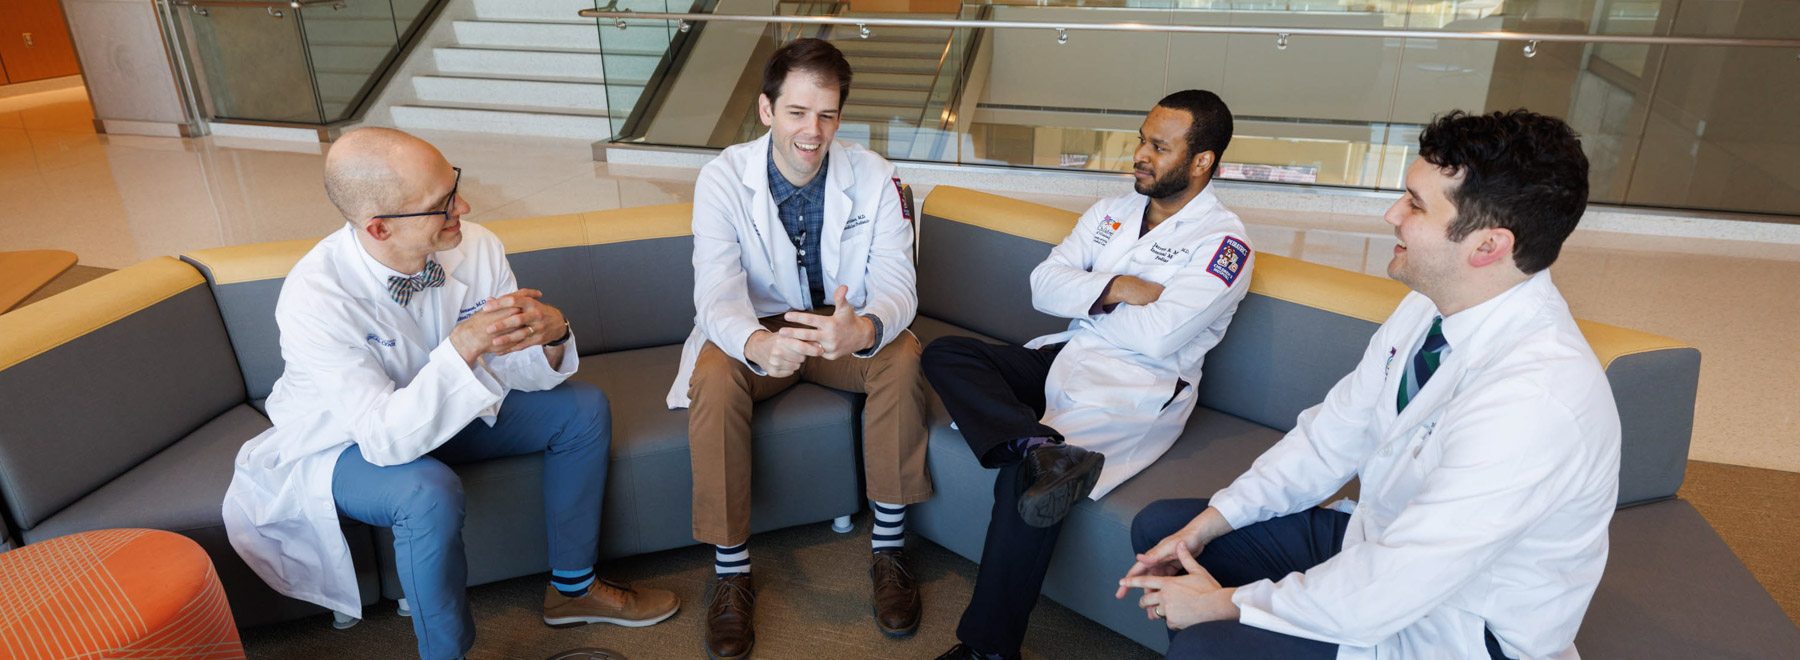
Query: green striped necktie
1418, 372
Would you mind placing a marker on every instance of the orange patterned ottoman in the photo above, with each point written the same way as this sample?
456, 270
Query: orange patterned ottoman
116, 593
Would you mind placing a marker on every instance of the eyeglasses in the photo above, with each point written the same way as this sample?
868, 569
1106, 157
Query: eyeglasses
449, 203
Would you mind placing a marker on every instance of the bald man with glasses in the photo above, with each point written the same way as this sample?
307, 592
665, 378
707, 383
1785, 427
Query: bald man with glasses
409, 347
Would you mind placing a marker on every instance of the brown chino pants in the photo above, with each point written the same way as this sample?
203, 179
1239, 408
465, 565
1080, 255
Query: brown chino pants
723, 390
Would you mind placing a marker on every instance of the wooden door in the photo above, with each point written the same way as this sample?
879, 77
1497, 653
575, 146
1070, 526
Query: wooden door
34, 41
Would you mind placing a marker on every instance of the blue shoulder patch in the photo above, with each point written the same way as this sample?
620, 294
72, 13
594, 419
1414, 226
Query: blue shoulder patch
1229, 260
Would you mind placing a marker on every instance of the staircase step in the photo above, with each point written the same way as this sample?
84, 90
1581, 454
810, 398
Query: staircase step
875, 113
871, 94
932, 50
349, 57
861, 65
503, 121
647, 36
366, 30
919, 81
560, 95
586, 65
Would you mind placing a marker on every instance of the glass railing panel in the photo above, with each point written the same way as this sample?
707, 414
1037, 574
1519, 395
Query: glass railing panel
409, 15
1315, 109
696, 92
629, 57
941, 118
349, 45
1306, 109
1074, 102
1721, 131
253, 64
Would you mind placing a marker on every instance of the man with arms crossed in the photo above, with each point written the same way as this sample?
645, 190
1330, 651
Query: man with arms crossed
1150, 278
802, 271
409, 346
1479, 422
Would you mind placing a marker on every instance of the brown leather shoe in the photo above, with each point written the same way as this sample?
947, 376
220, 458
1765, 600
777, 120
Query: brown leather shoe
730, 618
896, 596
610, 602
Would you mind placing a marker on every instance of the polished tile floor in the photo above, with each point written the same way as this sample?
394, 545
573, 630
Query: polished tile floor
117, 200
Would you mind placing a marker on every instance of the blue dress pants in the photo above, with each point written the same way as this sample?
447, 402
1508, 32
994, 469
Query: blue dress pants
1267, 550
422, 501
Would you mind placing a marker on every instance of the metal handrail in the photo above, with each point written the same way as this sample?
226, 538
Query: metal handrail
1282, 33
274, 8
290, 4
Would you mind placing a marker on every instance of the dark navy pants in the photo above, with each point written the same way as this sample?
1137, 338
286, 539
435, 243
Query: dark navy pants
423, 501
1267, 550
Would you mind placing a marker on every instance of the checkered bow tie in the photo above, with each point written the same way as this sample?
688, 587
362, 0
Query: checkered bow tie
401, 289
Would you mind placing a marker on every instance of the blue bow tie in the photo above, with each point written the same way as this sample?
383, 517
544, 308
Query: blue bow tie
401, 289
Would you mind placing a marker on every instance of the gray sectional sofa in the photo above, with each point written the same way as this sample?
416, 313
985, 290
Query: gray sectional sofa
129, 396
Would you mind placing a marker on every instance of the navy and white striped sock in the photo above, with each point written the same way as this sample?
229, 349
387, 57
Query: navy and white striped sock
573, 584
890, 527
731, 560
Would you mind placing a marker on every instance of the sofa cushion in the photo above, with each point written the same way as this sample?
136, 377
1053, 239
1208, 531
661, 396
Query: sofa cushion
804, 448
1673, 590
617, 274
975, 261
246, 282
180, 490
102, 377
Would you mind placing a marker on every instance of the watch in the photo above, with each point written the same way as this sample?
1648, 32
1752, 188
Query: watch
568, 331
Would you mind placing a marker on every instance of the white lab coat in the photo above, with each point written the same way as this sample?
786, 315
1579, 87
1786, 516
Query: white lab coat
1485, 503
1110, 388
745, 267
361, 370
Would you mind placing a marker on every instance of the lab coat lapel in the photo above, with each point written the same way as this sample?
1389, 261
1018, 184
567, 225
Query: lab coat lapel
838, 178
454, 289
765, 222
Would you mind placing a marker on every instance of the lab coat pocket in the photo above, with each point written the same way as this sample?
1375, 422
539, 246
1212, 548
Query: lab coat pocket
1115, 385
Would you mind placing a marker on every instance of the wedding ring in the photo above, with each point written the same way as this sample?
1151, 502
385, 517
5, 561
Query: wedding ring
1159, 612
533, 330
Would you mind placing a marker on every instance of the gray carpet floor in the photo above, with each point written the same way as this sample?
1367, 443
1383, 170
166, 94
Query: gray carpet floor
812, 602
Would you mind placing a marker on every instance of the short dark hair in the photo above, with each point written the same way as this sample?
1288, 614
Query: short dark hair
814, 56
1211, 127
1521, 171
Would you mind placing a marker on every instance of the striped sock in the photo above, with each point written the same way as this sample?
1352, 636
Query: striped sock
730, 560
890, 527
573, 584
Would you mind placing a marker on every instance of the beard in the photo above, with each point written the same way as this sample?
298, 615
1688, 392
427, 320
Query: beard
1168, 185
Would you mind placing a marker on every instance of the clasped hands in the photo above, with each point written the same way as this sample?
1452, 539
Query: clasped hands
841, 333
1175, 587
508, 324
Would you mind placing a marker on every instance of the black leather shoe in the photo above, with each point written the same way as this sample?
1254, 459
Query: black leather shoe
730, 618
1057, 475
895, 597
966, 652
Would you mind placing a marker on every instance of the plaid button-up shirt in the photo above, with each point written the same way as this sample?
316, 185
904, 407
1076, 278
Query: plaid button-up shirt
802, 211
